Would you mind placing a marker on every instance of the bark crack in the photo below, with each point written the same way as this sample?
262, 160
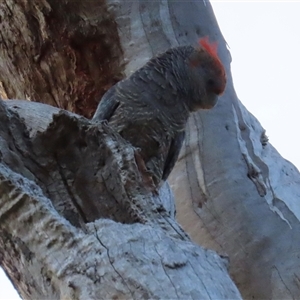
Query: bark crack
254, 174
200, 280
258, 171
111, 262
72, 196
162, 264
281, 279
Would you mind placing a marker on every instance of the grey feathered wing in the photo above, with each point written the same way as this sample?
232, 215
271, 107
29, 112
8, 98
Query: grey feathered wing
173, 154
107, 106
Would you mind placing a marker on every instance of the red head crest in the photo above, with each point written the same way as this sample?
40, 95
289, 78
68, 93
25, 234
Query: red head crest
211, 48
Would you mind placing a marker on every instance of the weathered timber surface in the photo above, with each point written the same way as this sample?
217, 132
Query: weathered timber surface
77, 222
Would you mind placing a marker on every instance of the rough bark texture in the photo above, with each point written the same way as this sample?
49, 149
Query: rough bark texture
55, 182
234, 192
62, 53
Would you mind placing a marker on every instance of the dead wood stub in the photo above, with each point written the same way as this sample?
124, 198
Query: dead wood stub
86, 170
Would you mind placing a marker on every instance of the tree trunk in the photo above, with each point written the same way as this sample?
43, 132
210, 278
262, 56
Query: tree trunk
76, 220
78, 224
86, 227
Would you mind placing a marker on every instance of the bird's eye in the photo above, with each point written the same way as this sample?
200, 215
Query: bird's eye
214, 86
210, 83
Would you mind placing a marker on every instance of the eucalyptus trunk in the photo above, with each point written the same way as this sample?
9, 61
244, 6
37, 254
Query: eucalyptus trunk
75, 219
